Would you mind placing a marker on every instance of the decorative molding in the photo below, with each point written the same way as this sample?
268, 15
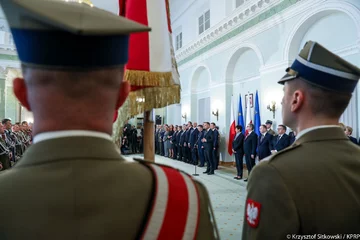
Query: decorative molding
9, 57
282, 65
334, 5
247, 79
348, 50
222, 84
264, 26
224, 31
201, 91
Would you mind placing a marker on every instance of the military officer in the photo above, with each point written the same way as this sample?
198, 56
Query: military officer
72, 182
303, 189
268, 126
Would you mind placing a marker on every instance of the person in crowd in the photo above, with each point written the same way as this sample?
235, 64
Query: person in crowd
238, 150
208, 145
166, 141
250, 146
174, 131
316, 180
348, 132
292, 136
264, 143
199, 145
5, 153
268, 127
216, 145
178, 145
193, 139
281, 141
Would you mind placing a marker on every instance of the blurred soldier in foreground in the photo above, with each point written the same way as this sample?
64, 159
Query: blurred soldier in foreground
306, 187
72, 182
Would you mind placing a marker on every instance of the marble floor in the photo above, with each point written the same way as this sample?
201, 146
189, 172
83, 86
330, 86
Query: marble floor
227, 195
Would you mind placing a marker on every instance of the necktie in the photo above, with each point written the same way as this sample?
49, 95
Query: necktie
262, 138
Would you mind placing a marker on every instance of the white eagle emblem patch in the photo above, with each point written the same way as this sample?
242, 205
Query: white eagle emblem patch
252, 213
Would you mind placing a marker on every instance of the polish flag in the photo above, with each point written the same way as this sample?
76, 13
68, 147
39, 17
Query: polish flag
232, 127
248, 115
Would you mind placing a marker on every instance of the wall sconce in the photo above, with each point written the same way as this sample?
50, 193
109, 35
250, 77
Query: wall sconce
272, 108
216, 114
184, 116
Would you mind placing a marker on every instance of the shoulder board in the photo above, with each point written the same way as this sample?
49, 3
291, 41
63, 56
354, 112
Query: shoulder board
286, 150
176, 200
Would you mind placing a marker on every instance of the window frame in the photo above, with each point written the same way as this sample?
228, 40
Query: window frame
204, 23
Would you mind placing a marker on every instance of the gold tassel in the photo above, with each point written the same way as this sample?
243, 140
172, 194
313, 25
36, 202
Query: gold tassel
149, 98
144, 100
149, 79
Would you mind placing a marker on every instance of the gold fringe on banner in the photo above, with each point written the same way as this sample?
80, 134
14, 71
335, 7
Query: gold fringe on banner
149, 98
144, 100
151, 79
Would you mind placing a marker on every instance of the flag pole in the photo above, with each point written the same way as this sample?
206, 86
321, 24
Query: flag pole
148, 138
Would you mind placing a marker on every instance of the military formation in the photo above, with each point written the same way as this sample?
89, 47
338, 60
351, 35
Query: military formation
15, 139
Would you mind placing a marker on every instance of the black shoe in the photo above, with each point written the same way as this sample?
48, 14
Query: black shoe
238, 178
201, 166
210, 173
205, 172
245, 180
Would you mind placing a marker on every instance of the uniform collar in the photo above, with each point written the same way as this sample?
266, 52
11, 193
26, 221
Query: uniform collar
321, 133
70, 133
70, 148
303, 132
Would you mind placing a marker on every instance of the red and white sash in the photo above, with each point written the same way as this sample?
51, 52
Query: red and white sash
176, 208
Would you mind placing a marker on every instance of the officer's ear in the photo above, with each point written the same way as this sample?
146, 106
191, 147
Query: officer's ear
20, 91
124, 91
297, 100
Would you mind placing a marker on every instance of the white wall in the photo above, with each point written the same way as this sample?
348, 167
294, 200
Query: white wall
239, 61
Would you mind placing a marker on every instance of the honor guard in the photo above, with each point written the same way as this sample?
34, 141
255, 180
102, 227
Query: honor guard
307, 187
72, 183
5, 154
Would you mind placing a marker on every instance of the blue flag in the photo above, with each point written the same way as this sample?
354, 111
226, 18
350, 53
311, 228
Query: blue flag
257, 121
240, 117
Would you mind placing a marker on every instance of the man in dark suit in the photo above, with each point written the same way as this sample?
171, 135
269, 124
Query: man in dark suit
264, 143
208, 141
161, 140
173, 141
282, 140
199, 145
292, 136
193, 139
250, 145
178, 145
238, 150
348, 132
216, 144
186, 149
182, 144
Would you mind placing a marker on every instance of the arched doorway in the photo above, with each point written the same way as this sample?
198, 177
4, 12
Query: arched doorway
200, 95
243, 71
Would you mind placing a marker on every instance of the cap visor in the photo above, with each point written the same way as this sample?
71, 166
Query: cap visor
286, 78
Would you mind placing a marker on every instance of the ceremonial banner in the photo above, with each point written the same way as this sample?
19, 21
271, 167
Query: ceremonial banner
257, 120
232, 132
241, 117
152, 68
